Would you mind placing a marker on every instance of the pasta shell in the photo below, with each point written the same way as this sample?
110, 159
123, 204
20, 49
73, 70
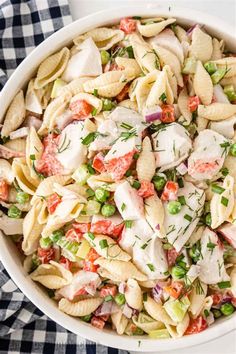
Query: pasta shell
119, 321
157, 312
171, 87
32, 99
103, 37
157, 89
10, 226
45, 188
168, 58
51, 68
133, 294
229, 64
129, 65
146, 323
123, 270
22, 174
179, 330
181, 34
153, 26
218, 47
31, 230
15, 114
217, 111
154, 214
91, 99
197, 299
146, 165
219, 211
33, 147
74, 87
229, 81
201, 47
129, 104
102, 180
201, 123
106, 275
112, 251
183, 106
80, 308
202, 84
53, 275
6, 172
18, 145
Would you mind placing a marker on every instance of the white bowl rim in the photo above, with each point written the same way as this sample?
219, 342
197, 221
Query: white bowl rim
24, 283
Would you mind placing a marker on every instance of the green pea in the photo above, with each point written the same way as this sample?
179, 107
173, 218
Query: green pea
120, 299
14, 212
56, 235
108, 210
178, 272
159, 182
45, 242
102, 194
227, 309
174, 207
216, 313
105, 57
107, 105
22, 197
208, 219
233, 149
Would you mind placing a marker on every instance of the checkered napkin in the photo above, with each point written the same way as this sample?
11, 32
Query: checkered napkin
23, 327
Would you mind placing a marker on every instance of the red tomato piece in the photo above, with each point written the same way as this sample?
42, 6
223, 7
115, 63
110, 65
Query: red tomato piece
81, 109
4, 189
82, 227
107, 227
97, 322
168, 114
170, 191
193, 103
46, 255
174, 289
73, 235
123, 93
196, 326
52, 202
92, 255
65, 262
172, 254
217, 298
119, 165
146, 190
98, 163
128, 25
108, 290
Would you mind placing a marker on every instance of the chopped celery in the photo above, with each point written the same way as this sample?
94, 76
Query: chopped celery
83, 250
58, 83
189, 66
69, 248
159, 334
81, 174
218, 75
92, 207
229, 91
210, 67
177, 309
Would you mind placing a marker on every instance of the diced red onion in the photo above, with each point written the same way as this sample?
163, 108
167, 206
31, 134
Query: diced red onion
182, 169
157, 292
152, 114
157, 227
106, 308
122, 287
127, 311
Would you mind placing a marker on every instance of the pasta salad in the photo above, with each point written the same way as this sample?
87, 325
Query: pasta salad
118, 178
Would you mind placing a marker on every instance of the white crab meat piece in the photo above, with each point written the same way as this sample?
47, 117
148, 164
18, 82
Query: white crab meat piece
179, 227
209, 152
171, 145
122, 115
108, 132
212, 269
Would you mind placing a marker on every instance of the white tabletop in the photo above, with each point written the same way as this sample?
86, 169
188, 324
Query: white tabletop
226, 10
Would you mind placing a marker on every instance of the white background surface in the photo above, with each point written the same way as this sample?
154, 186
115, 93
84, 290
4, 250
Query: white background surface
226, 10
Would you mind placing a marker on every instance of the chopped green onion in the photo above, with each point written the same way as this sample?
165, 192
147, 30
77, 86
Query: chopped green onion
102, 194
123, 206
45, 242
107, 105
89, 138
95, 92
224, 201
91, 235
224, 171
210, 67
233, 149
120, 299
163, 97
218, 75
188, 217
108, 298
56, 235
126, 126
182, 200
22, 197
229, 91
130, 52
136, 184
128, 173
90, 169
180, 182
103, 244
178, 272
224, 284
94, 112
32, 157
151, 267
208, 219
128, 224
206, 313
211, 245
217, 189
108, 210
14, 212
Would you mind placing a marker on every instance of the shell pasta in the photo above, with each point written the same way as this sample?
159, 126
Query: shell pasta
118, 177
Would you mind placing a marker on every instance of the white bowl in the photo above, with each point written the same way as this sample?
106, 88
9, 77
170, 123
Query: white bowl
8, 252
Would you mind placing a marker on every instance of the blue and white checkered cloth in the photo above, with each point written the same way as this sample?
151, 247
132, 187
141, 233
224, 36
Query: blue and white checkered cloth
23, 327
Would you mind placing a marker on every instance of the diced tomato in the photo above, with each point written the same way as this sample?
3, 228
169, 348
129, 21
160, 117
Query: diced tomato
107, 227
168, 114
119, 165
4, 189
97, 322
98, 163
52, 202
193, 103
82, 227
81, 109
92, 255
108, 290
196, 325
170, 191
172, 254
46, 255
65, 262
90, 267
174, 289
123, 93
146, 190
128, 25
217, 298
73, 235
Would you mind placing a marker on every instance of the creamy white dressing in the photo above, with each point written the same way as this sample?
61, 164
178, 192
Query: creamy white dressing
71, 152
87, 62
171, 145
